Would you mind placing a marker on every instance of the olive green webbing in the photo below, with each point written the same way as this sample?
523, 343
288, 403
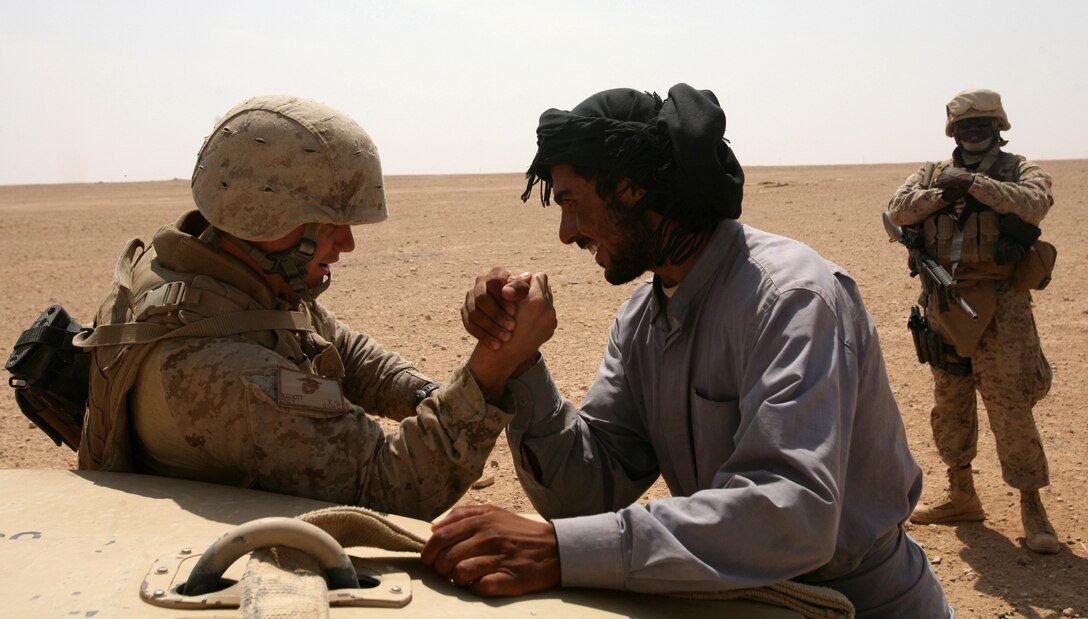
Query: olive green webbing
289, 264
221, 325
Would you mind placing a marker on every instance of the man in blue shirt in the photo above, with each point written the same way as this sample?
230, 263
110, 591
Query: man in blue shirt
747, 373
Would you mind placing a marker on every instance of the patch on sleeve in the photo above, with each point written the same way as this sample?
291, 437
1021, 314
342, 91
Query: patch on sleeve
302, 390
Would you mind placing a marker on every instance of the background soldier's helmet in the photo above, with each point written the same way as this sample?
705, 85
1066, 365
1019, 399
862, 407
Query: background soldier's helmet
975, 103
276, 162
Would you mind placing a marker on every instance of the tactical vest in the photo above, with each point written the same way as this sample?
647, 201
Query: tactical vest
962, 236
148, 303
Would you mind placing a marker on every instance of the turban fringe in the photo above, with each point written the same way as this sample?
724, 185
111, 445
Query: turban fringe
676, 145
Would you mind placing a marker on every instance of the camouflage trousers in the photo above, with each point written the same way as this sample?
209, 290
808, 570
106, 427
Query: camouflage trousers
1011, 374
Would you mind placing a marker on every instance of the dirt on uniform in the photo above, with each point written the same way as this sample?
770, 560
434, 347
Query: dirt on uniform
407, 278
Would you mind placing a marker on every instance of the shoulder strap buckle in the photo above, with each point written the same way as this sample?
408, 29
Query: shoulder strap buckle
165, 299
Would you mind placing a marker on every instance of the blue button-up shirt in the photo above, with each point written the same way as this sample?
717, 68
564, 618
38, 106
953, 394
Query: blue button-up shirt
759, 392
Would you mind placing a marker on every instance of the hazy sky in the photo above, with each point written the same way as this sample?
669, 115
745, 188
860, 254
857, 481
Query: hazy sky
127, 90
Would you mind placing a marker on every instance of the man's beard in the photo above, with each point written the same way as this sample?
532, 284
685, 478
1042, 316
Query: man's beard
634, 244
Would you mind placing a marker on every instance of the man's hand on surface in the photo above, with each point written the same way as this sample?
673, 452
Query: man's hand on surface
494, 552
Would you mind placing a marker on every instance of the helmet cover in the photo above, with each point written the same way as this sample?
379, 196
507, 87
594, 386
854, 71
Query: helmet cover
975, 103
276, 162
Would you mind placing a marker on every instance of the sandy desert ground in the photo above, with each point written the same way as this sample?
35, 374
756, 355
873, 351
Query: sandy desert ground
406, 280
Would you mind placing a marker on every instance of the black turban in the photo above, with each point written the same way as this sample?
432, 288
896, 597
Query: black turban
677, 144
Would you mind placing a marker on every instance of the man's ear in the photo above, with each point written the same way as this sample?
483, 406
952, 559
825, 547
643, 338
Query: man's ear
630, 193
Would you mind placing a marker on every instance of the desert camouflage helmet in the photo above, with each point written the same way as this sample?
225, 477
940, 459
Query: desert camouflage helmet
975, 103
276, 162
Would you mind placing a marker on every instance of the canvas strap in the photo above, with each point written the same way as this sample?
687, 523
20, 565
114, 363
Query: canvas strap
354, 526
214, 326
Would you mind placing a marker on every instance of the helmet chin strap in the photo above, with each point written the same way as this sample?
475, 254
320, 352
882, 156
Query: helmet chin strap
289, 264
975, 147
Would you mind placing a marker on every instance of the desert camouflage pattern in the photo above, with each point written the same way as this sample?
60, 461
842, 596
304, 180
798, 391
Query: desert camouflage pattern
1011, 374
276, 162
975, 103
1009, 369
1028, 197
214, 409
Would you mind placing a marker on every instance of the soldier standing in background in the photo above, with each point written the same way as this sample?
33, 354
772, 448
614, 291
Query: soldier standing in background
978, 215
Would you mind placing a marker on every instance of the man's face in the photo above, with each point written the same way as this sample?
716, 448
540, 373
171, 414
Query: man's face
975, 134
332, 240
618, 236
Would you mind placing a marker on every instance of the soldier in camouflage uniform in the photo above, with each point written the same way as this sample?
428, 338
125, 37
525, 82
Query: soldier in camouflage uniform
213, 361
979, 214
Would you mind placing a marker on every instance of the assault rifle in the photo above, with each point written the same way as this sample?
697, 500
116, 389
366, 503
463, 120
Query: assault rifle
934, 274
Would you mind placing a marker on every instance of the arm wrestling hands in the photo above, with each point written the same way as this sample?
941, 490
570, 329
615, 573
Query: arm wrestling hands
530, 299
492, 551
491, 306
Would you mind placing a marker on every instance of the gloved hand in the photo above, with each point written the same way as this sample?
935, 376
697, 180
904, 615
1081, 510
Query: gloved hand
955, 182
1017, 237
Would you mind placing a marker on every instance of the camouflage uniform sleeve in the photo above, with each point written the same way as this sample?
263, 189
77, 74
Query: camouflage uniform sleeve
431, 460
913, 203
381, 381
1029, 198
224, 397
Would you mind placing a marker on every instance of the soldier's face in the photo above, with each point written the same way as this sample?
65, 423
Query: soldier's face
975, 134
332, 240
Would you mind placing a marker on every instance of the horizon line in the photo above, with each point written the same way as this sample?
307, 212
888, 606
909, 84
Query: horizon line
753, 166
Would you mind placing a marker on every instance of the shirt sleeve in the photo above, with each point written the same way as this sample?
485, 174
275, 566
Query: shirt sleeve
1029, 198
913, 203
780, 489
224, 398
602, 449
379, 380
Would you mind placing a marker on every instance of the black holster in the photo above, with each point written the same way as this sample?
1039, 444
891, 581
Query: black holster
931, 348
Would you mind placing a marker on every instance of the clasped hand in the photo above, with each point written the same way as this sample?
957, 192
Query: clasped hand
491, 305
511, 316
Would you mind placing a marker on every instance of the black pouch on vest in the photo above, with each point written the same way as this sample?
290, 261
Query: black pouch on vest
50, 376
931, 349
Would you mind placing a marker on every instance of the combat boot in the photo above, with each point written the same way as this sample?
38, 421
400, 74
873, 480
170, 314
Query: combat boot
960, 504
1039, 536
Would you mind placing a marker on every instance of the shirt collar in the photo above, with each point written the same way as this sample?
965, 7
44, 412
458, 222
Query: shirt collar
671, 314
